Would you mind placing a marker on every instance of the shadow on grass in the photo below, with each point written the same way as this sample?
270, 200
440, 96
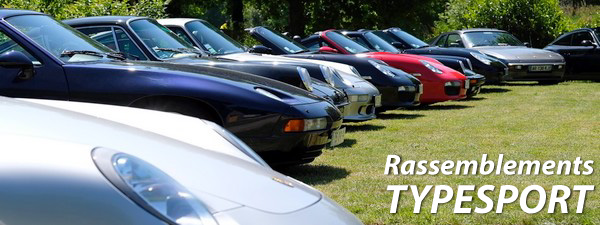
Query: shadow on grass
363, 127
399, 116
315, 174
347, 143
472, 99
485, 90
439, 107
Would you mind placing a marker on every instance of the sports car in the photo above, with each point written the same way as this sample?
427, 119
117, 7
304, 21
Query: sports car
494, 70
398, 88
153, 42
44, 58
440, 83
60, 167
524, 63
214, 42
375, 41
581, 52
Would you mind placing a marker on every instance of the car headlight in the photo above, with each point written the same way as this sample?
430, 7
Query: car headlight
327, 74
452, 83
151, 189
235, 141
267, 93
379, 67
355, 71
407, 88
305, 78
359, 98
431, 67
302, 125
482, 58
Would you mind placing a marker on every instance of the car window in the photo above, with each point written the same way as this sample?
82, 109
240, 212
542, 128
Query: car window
8, 45
212, 39
454, 39
360, 41
440, 41
128, 46
566, 40
103, 35
491, 38
346, 43
314, 45
580, 37
181, 33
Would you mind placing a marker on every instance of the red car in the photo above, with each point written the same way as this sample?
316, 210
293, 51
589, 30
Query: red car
440, 83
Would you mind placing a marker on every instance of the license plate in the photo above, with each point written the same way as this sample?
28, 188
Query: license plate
540, 68
337, 136
377, 100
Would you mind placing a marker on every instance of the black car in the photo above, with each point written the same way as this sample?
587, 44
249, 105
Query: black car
524, 63
581, 51
376, 41
494, 70
399, 89
141, 38
44, 58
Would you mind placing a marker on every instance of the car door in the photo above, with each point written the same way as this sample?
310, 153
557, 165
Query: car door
454, 41
48, 80
440, 41
582, 55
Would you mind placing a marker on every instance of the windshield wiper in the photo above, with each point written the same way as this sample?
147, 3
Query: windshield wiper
176, 50
92, 53
302, 51
423, 46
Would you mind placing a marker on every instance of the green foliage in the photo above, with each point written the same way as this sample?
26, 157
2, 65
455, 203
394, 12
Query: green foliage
587, 16
64, 9
534, 21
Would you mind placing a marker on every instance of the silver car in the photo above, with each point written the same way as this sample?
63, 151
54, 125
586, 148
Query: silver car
63, 167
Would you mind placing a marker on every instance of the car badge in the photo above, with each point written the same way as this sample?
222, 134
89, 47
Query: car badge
282, 181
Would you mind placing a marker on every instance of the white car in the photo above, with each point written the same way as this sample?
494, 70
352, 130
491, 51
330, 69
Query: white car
65, 167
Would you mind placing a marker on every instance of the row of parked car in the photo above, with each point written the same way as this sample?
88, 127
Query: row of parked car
279, 103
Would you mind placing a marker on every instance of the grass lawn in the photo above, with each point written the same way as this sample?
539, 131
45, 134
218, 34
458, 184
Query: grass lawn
523, 121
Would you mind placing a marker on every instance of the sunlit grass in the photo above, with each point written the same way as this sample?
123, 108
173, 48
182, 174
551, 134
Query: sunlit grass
522, 121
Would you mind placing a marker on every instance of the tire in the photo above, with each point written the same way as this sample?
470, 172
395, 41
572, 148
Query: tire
179, 106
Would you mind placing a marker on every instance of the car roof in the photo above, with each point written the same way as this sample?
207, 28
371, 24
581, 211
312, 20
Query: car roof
478, 30
5, 12
177, 21
98, 20
586, 29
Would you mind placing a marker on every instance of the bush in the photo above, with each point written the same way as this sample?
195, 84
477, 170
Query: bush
65, 9
535, 21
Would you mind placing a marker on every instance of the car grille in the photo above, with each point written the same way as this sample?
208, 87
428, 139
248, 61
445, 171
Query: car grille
452, 90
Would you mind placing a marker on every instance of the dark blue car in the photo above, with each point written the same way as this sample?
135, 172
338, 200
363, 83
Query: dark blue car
581, 51
44, 58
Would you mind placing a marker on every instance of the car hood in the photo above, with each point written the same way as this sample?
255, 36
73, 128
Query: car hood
516, 54
401, 56
221, 181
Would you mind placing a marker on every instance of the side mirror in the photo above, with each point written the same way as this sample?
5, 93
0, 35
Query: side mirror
18, 60
527, 44
260, 49
398, 45
587, 43
297, 38
327, 49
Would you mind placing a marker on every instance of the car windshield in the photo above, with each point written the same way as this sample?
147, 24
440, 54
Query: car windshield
212, 39
346, 43
597, 32
285, 43
380, 45
163, 42
491, 38
64, 42
408, 38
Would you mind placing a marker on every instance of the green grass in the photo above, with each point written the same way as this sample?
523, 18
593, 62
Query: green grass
523, 121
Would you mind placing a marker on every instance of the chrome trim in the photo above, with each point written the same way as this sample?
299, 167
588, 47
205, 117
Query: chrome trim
534, 64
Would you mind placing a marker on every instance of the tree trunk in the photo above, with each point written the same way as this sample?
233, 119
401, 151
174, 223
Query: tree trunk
236, 10
297, 18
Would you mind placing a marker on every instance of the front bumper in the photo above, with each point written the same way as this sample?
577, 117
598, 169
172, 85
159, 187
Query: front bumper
393, 98
281, 148
325, 211
475, 85
360, 111
522, 72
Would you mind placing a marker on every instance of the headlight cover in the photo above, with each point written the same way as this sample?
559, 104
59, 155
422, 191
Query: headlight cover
431, 67
355, 71
482, 58
268, 93
305, 78
235, 141
379, 67
327, 74
151, 189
